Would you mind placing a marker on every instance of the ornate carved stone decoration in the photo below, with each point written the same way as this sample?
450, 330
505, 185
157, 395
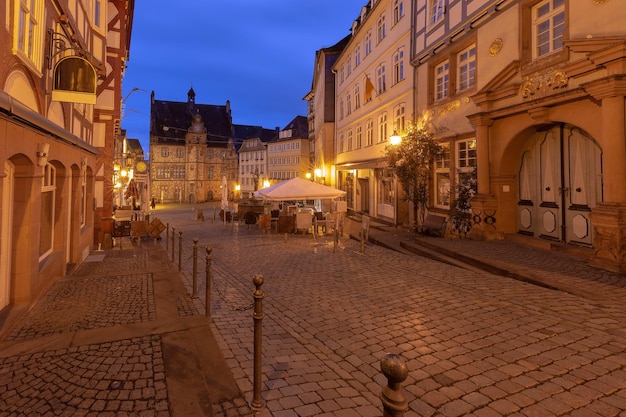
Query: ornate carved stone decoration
543, 84
495, 47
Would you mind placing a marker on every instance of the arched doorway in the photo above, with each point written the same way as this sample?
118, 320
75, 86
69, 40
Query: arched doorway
560, 182
6, 219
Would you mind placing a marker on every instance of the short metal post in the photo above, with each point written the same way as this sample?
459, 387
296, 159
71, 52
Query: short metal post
194, 291
393, 399
362, 233
173, 246
167, 237
180, 250
257, 401
208, 282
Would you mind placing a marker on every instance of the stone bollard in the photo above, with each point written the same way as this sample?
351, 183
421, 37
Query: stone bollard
180, 251
194, 290
208, 282
257, 401
393, 399
173, 246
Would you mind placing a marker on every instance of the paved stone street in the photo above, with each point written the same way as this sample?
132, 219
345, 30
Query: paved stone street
474, 343
122, 336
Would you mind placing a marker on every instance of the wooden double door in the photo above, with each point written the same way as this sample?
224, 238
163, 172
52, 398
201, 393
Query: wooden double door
560, 182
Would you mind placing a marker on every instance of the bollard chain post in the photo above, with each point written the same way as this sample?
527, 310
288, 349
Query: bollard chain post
180, 250
173, 246
257, 401
393, 399
194, 291
208, 282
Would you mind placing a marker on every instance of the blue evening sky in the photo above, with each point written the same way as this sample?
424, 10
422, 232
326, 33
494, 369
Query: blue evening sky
259, 54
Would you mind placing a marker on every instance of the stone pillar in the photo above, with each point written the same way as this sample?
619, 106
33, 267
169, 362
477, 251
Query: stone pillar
609, 217
609, 238
484, 204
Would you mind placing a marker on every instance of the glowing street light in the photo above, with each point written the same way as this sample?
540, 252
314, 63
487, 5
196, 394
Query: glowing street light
395, 139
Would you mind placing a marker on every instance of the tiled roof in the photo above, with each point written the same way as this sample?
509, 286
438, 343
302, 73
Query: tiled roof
177, 116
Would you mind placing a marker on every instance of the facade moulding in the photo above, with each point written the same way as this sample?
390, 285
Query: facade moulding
18, 111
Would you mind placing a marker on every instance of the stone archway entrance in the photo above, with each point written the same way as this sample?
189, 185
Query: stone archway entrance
6, 219
560, 182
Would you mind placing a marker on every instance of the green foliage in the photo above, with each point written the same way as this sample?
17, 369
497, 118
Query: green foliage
461, 214
412, 159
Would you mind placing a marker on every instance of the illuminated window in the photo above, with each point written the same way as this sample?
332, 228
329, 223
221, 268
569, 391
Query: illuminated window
368, 43
442, 178
398, 66
466, 68
437, 10
398, 117
398, 10
466, 154
340, 143
97, 18
548, 27
442, 80
382, 127
48, 202
83, 198
381, 78
381, 29
28, 31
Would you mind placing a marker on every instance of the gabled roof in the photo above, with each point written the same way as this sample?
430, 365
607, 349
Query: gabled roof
170, 121
299, 127
243, 132
134, 145
177, 117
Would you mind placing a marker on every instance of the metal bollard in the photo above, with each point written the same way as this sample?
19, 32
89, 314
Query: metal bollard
393, 399
180, 250
194, 291
362, 233
208, 282
257, 401
173, 234
167, 237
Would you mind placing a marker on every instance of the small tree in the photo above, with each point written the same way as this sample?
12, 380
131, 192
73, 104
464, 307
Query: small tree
412, 159
461, 214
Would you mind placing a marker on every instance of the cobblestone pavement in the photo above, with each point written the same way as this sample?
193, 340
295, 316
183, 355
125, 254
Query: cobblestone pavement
124, 377
43, 374
475, 344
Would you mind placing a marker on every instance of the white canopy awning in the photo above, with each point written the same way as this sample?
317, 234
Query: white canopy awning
299, 189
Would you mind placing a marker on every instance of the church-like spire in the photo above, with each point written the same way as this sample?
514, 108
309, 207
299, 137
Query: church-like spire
191, 96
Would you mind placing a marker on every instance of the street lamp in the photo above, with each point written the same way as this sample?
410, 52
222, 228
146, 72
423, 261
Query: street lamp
395, 139
131, 92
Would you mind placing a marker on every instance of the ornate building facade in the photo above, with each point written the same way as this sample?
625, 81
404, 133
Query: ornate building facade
532, 94
193, 147
374, 98
60, 89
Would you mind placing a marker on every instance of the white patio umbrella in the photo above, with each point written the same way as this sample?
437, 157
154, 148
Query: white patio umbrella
299, 189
